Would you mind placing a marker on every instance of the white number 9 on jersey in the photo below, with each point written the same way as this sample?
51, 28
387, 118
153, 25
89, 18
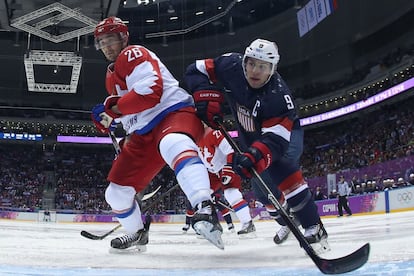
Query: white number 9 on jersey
289, 102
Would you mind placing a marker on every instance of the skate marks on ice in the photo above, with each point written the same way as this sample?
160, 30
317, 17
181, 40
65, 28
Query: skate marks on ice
54, 248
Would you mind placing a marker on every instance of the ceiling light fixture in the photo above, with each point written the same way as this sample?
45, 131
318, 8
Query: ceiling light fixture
170, 9
143, 2
231, 26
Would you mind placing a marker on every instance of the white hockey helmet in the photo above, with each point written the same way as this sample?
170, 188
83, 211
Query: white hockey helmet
264, 50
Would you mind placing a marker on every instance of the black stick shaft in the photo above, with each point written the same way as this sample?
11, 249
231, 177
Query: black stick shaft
115, 143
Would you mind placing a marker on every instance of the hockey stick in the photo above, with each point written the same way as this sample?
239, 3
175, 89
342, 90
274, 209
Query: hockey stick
225, 206
115, 143
327, 266
149, 195
91, 236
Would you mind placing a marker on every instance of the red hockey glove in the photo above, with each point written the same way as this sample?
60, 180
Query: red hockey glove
258, 156
227, 174
103, 117
109, 103
208, 106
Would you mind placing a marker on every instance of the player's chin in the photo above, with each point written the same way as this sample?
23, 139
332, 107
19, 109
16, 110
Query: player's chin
110, 57
255, 83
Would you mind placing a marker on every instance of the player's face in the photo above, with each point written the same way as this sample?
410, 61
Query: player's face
257, 72
111, 45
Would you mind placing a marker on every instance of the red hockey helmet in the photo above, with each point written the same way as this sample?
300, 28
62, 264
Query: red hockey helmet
110, 25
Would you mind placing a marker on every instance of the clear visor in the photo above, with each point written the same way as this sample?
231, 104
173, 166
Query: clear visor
263, 67
107, 40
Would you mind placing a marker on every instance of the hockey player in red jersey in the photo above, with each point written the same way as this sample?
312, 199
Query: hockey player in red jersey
215, 152
265, 114
162, 128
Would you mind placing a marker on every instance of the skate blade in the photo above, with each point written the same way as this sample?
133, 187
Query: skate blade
247, 236
204, 229
278, 241
136, 249
321, 247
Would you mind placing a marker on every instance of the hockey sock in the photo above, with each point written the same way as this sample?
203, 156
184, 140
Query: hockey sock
240, 206
131, 220
304, 207
195, 183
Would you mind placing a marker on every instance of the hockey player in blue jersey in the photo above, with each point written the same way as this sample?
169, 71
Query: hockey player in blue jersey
266, 117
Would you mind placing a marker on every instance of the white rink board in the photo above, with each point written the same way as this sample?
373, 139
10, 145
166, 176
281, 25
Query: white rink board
402, 198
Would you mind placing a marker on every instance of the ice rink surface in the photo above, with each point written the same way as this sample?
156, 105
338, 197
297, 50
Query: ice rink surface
31, 248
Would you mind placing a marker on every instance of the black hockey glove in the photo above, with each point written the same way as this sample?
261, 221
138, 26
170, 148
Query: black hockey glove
258, 156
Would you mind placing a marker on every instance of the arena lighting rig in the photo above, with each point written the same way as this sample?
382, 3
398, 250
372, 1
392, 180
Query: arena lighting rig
58, 58
35, 23
47, 18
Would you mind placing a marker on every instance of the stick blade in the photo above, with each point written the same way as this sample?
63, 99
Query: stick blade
149, 195
89, 235
346, 263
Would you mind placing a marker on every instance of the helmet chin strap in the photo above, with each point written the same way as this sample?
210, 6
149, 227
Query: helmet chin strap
271, 74
268, 79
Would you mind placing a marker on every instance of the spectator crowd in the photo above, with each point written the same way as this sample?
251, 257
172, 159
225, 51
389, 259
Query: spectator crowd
79, 171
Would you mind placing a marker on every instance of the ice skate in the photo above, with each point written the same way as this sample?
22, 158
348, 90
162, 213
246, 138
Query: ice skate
185, 228
248, 231
205, 223
317, 237
230, 227
282, 234
135, 242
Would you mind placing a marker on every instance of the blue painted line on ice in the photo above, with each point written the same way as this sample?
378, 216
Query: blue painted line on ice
397, 268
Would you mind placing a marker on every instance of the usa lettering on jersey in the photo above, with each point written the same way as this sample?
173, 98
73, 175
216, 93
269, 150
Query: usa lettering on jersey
245, 118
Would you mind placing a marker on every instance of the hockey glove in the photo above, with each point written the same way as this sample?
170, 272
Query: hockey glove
208, 106
258, 156
227, 174
103, 117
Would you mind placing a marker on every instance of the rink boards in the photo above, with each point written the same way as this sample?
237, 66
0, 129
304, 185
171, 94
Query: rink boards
395, 200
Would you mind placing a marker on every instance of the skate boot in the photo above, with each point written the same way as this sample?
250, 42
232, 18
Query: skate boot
131, 242
206, 223
136, 242
248, 231
282, 234
317, 237
185, 228
230, 227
